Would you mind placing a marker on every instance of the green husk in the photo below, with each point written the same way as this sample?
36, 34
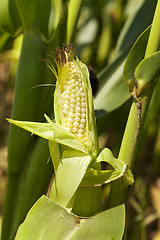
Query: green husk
70, 173
51, 131
92, 141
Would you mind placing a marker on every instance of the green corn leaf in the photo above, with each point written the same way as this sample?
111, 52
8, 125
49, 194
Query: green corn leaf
48, 220
38, 169
41, 16
107, 156
73, 15
52, 132
70, 173
119, 166
107, 225
98, 177
25, 107
113, 92
134, 58
140, 73
75, 145
26, 100
9, 17
129, 32
148, 71
54, 18
3, 40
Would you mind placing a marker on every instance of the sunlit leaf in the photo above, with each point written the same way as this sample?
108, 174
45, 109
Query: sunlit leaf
70, 173
120, 167
135, 56
129, 32
107, 225
52, 132
98, 177
113, 91
73, 15
148, 71
48, 220
9, 17
31, 13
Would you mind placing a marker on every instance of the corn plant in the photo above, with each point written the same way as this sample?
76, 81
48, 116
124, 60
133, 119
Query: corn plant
73, 207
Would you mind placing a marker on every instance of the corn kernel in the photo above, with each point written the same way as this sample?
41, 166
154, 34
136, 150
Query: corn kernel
65, 106
77, 119
72, 105
83, 105
81, 126
72, 100
69, 125
83, 121
78, 109
80, 135
80, 131
71, 114
65, 111
70, 120
83, 115
75, 129
76, 124
77, 114
78, 104
78, 99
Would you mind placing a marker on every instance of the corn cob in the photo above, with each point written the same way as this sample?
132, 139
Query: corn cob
72, 108
73, 102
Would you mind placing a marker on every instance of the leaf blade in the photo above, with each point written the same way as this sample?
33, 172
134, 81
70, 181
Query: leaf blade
69, 174
148, 71
52, 132
45, 220
48, 220
135, 56
105, 225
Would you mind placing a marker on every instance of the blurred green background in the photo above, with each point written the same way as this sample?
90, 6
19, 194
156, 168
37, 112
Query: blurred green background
102, 38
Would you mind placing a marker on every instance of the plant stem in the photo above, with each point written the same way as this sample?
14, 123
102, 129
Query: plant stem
136, 119
154, 37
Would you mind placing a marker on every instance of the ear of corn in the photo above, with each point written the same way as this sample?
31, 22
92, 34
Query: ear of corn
73, 107
73, 103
